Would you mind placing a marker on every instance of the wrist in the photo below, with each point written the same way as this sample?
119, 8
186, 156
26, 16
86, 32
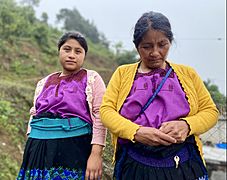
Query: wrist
188, 127
137, 134
97, 149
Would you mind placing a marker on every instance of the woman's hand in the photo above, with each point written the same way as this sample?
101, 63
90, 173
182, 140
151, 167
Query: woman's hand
94, 163
177, 129
153, 137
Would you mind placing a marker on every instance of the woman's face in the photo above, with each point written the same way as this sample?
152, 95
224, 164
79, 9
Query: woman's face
71, 55
153, 49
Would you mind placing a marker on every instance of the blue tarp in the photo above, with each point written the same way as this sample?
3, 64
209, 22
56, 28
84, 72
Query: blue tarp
221, 145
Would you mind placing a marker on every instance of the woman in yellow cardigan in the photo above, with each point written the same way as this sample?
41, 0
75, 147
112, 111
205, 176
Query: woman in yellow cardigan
156, 110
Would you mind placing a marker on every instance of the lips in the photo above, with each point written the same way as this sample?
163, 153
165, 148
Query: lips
154, 60
68, 61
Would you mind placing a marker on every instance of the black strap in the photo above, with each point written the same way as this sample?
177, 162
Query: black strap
157, 91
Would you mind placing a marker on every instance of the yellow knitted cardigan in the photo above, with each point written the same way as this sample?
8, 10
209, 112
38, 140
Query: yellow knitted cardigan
203, 113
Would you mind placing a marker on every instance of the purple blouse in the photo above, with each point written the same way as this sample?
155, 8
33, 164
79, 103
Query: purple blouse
169, 104
65, 96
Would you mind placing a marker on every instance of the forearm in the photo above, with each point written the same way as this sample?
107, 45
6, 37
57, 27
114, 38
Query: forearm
117, 124
99, 134
110, 117
202, 121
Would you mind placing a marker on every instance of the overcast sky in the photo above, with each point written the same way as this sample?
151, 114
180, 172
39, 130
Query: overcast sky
198, 27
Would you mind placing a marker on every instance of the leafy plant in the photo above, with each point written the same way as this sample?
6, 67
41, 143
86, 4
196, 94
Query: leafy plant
218, 98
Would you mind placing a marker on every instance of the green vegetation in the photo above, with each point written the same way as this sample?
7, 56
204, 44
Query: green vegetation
124, 56
74, 21
218, 98
9, 167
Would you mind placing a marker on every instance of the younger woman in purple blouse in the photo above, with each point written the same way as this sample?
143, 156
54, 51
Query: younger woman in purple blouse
65, 134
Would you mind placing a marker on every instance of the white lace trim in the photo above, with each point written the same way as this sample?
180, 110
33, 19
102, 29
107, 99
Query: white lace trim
88, 90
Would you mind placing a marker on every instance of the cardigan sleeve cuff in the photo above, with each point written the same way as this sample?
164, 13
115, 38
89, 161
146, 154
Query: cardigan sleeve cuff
99, 137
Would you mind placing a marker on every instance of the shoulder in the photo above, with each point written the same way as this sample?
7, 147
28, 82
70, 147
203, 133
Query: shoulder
183, 69
93, 76
43, 80
92, 72
126, 67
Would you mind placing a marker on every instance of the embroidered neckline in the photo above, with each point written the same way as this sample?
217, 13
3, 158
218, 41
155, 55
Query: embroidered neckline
160, 71
55, 79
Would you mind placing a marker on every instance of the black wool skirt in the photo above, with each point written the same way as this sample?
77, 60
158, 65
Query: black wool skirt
55, 159
141, 162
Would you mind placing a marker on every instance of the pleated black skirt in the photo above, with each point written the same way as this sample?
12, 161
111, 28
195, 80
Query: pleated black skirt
133, 170
52, 159
141, 162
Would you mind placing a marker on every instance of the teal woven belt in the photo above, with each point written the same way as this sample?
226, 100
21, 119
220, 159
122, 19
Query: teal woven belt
47, 128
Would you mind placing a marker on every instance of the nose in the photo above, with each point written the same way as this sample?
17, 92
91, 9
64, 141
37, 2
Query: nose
154, 52
71, 54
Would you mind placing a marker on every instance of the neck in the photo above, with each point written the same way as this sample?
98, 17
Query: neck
144, 69
67, 73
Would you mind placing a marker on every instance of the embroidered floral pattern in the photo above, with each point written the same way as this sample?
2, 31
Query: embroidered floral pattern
55, 78
51, 174
205, 177
160, 71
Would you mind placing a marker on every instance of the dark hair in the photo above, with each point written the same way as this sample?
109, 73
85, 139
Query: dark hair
151, 20
73, 35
